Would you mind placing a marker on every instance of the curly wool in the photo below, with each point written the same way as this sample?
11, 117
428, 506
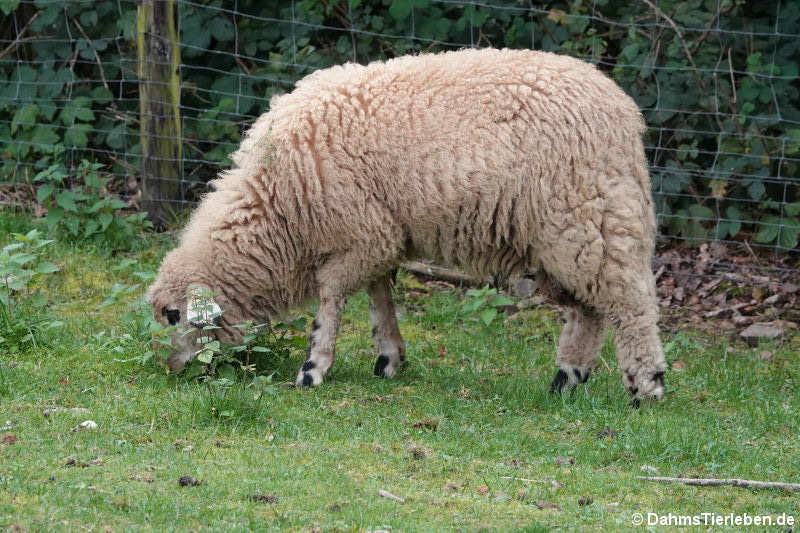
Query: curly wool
495, 161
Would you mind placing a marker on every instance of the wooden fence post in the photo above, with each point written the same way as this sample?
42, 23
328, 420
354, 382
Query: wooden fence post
159, 108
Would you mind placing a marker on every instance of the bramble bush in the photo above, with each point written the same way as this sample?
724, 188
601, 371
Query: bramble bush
720, 94
80, 208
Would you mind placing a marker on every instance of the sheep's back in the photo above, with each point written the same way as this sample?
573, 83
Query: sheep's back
481, 144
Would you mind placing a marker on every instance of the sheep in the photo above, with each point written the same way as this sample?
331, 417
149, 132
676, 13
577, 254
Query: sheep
510, 162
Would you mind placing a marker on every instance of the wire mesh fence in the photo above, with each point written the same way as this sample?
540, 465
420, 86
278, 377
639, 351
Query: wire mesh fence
717, 82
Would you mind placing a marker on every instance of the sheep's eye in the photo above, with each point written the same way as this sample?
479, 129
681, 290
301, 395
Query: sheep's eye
173, 315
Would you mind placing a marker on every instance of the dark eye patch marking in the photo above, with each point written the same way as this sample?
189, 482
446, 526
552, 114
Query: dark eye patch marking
173, 315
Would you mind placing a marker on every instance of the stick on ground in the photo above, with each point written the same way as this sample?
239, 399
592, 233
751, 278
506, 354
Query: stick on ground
387, 494
744, 483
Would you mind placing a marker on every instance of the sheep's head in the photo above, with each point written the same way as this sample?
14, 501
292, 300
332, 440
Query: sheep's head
184, 305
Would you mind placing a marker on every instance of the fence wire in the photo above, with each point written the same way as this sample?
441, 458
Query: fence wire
717, 83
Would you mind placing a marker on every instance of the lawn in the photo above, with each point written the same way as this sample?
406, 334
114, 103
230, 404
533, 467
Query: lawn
466, 435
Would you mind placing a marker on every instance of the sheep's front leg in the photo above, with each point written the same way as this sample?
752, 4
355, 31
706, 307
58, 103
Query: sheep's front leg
322, 339
385, 333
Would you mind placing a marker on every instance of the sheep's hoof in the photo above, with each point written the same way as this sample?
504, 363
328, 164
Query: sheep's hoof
651, 388
308, 377
385, 367
571, 377
559, 382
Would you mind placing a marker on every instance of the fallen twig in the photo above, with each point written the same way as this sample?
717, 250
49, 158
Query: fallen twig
439, 272
387, 494
525, 479
708, 482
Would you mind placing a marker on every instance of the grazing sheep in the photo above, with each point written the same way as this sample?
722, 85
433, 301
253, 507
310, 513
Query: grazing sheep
494, 161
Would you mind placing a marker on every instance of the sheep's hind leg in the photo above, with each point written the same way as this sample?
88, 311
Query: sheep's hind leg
385, 333
578, 347
640, 354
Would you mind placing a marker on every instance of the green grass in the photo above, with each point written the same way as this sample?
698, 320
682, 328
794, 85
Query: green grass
470, 409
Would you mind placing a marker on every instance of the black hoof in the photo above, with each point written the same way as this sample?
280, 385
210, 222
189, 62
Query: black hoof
636, 403
557, 385
307, 380
580, 377
380, 365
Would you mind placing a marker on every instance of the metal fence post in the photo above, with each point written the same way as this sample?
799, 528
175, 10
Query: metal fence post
159, 107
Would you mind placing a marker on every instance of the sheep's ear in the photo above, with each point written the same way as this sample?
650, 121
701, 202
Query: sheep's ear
202, 310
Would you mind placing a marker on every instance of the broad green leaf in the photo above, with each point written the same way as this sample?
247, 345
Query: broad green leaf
73, 225
770, 226
78, 109
221, 28
105, 220
788, 238
46, 268
76, 135
25, 116
66, 199
8, 6
44, 192
54, 216
44, 136
102, 95
500, 300
205, 356
91, 228
400, 9
22, 258
487, 315
700, 211
38, 300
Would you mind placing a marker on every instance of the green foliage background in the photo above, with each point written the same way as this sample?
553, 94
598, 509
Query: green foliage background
717, 80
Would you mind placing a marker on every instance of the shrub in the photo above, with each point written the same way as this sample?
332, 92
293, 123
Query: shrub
80, 207
22, 315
